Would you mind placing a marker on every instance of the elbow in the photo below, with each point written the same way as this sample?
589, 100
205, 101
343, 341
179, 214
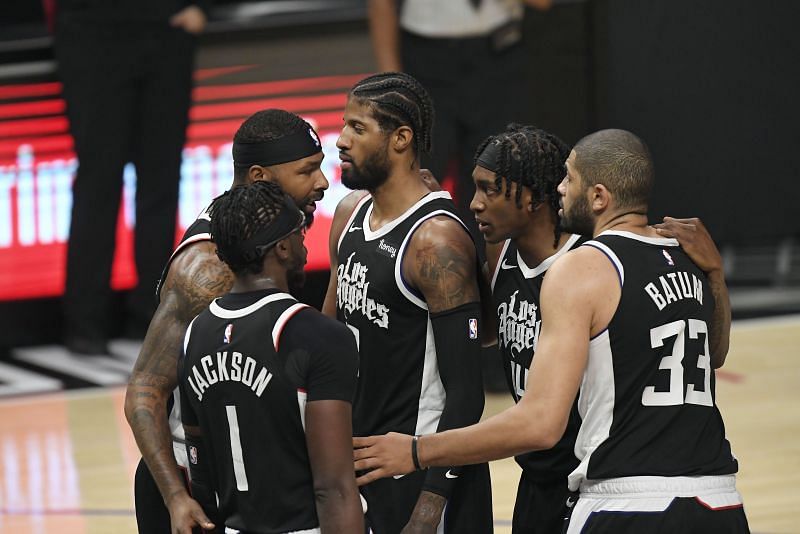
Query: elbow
332, 492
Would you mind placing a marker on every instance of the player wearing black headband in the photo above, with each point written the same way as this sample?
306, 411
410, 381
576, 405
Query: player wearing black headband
404, 280
515, 204
272, 145
266, 407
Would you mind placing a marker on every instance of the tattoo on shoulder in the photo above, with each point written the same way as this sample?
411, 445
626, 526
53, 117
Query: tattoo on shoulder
446, 276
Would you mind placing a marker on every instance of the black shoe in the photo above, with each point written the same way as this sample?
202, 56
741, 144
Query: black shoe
86, 346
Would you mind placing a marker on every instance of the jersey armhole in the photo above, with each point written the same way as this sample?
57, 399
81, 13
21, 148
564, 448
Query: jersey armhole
283, 319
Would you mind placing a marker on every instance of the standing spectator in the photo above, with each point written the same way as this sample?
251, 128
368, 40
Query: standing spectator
127, 69
468, 55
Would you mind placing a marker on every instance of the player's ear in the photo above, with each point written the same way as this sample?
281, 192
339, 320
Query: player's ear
600, 197
402, 138
257, 173
283, 249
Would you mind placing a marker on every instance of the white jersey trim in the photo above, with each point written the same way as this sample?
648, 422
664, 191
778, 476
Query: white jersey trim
350, 221
663, 241
277, 330
529, 272
223, 313
369, 235
612, 257
432, 395
500, 259
595, 405
398, 265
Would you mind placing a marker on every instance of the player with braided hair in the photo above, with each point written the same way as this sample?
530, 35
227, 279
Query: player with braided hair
271, 145
516, 177
267, 419
404, 280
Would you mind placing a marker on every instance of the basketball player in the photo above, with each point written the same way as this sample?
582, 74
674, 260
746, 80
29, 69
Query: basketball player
272, 145
265, 406
628, 319
404, 280
516, 207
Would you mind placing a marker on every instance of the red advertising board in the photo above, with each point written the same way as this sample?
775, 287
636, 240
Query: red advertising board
37, 166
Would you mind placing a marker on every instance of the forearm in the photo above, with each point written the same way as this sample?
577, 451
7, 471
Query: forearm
146, 411
339, 509
720, 330
509, 433
385, 34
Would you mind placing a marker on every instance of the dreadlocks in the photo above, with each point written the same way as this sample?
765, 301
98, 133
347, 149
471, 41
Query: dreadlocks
237, 215
532, 158
397, 99
266, 125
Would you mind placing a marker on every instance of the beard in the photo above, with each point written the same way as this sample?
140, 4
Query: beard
578, 220
371, 174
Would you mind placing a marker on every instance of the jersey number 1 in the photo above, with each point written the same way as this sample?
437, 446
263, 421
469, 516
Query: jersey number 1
674, 363
236, 449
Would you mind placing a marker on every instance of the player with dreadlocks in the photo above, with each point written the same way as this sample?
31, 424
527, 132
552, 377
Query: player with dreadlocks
516, 176
266, 407
404, 280
272, 145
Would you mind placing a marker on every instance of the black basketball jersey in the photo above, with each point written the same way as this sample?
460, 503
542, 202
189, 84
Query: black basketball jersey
248, 369
399, 388
647, 397
515, 293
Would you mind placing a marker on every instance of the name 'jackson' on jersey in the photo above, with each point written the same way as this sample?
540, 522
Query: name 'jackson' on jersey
399, 388
647, 400
515, 294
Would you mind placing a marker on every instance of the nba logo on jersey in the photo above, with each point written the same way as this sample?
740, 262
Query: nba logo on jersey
668, 257
193, 454
473, 328
228, 331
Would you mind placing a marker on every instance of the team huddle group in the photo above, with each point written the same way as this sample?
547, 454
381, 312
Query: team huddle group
256, 413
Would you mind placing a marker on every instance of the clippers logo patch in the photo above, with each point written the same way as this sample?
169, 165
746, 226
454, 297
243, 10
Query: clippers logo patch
473, 328
313, 135
228, 332
669, 259
193, 455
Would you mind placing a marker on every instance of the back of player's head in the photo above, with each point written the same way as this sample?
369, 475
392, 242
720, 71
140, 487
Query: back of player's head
248, 220
397, 99
529, 156
268, 125
621, 162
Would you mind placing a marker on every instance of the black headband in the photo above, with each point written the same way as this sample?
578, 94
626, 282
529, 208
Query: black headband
489, 159
288, 221
291, 147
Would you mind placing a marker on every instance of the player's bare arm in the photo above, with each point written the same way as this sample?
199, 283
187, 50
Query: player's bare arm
328, 436
696, 241
195, 278
340, 217
579, 296
488, 313
440, 262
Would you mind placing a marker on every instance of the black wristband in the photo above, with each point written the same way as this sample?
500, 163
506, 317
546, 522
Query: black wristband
414, 456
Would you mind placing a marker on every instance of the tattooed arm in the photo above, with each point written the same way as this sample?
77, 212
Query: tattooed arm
194, 279
441, 263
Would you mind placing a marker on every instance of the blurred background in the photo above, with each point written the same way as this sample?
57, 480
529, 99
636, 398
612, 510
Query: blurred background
711, 86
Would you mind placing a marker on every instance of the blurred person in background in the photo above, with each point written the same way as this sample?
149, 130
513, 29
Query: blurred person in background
126, 68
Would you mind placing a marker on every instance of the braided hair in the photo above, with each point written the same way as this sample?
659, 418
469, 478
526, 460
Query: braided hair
239, 214
397, 99
539, 164
266, 125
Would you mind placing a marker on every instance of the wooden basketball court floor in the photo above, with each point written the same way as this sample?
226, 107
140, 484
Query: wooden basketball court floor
67, 459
